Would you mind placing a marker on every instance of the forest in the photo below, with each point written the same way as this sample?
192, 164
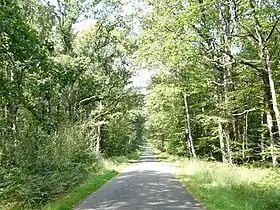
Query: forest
68, 102
65, 96
217, 91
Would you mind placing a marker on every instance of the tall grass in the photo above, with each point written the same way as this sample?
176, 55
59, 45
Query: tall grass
229, 187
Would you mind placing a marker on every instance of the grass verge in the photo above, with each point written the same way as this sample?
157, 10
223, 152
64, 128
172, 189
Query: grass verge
94, 181
227, 187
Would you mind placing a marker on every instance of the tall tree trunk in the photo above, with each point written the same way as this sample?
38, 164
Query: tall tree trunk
270, 126
272, 89
188, 126
12, 108
227, 115
222, 144
270, 95
245, 138
234, 130
228, 148
227, 19
262, 135
271, 101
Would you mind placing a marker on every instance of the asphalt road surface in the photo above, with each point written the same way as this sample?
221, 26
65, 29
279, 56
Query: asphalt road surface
146, 185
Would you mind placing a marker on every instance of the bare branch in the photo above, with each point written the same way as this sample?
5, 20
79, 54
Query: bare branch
272, 30
88, 99
258, 26
255, 13
246, 111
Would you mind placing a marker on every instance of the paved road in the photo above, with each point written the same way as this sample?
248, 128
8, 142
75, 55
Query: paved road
145, 185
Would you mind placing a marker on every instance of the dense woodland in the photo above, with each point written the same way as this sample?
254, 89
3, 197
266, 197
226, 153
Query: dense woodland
66, 98
215, 93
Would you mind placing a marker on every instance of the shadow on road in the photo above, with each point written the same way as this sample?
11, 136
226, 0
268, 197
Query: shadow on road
144, 186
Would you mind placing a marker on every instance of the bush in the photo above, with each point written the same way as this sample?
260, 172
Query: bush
46, 167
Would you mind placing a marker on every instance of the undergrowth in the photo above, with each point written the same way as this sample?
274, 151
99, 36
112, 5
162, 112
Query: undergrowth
62, 188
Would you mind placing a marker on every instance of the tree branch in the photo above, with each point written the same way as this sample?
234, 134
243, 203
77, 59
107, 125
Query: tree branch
245, 62
88, 99
115, 103
272, 30
248, 31
246, 111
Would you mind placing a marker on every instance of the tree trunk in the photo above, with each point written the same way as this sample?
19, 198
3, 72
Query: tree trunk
272, 89
262, 136
188, 126
245, 138
227, 142
226, 85
270, 125
222, 144
271, 101
234, 131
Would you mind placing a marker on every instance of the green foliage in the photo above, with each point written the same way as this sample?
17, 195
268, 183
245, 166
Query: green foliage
212, 52
65, 100
48, 168
165, 123
222, 57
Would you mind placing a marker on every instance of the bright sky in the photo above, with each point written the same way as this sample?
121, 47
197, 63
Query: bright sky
144, 75
142, 79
